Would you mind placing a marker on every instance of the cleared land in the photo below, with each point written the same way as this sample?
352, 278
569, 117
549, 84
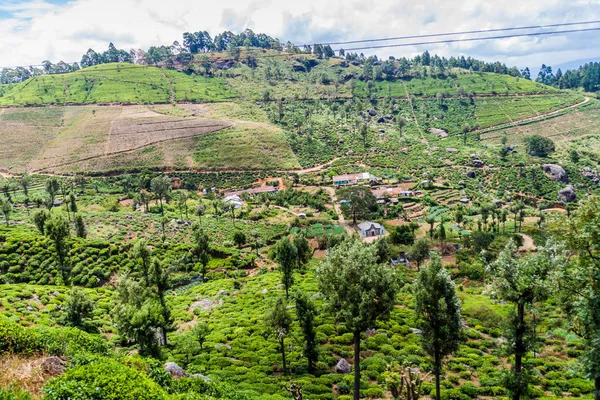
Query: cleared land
60, 137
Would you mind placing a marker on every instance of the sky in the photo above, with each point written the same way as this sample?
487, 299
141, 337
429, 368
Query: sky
35, 30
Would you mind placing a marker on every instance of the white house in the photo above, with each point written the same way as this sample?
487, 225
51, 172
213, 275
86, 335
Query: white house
369, 229
354, 179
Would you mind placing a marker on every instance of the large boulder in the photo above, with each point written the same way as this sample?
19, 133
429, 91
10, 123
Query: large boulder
343, 367
175, 370
372, 112
471, 174
556, 172
478, 163
567, 194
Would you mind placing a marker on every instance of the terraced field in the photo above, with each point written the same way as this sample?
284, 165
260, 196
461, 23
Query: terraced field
116, 83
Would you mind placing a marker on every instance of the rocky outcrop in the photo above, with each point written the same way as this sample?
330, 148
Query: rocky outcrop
175, 370
567, 194
54, 365
556, 172
343, 367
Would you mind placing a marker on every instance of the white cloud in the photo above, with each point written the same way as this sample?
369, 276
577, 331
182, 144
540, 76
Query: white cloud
38, 30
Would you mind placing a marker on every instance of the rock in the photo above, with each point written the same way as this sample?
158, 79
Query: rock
53, 365
451, 150
222, 292
380, 120
474, 157
462, 183
478, 163
344, 64
372, 112
343, 367
381, 130
204, 304
388, 117
200, 376
29, 308
315, 296
175, 370
556, 172
567, 194
440, 132
265, 291
416, 331
347, 77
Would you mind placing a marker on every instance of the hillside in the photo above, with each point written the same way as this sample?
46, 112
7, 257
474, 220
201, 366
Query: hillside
152, 216
115, 83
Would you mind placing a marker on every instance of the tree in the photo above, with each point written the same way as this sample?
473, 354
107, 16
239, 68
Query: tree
358, 291
80, 227
279, 321
137, 314
199, 211
6, 209
39, 219
201, 246
25, 181
401, 123
78, 309
286, 256
239, 238
437, 311
364, 132
419, 251
539, 146
52, 187
306, 312
141, 257
304, 250
579, 282
402, 234
182, 198
200, 331
159, 278
359, 201
522, 282
57, 229
161, 186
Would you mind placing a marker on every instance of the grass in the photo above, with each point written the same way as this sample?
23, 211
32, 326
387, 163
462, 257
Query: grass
115, 83
245, 146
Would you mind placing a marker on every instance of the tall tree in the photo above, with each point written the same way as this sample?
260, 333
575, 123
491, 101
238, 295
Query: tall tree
57, 229
39, 219
80, 227
304, 250
522, 282
201, 246
280, 322
306, 312
141, 256
159, 278
286, 256
358, 290
25, 182
437, 311
359, 201
161, 186
52, 187
579, 282
6, 208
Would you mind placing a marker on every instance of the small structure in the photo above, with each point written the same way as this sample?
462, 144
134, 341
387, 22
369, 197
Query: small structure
235, 200
370, 229
392, 192
354, 179
253, 191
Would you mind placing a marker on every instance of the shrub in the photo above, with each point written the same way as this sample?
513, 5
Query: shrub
103, 378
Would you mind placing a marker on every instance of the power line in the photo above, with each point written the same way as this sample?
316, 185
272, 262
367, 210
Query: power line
456, 33
446, 41
472, 39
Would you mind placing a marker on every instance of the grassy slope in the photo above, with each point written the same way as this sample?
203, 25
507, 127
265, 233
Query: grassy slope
115, 83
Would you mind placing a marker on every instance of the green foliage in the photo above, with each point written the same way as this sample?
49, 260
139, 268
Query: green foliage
539, 145
103, 378
403, 234
78, 309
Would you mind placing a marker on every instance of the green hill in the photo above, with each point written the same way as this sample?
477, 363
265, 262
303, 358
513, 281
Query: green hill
116, 83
